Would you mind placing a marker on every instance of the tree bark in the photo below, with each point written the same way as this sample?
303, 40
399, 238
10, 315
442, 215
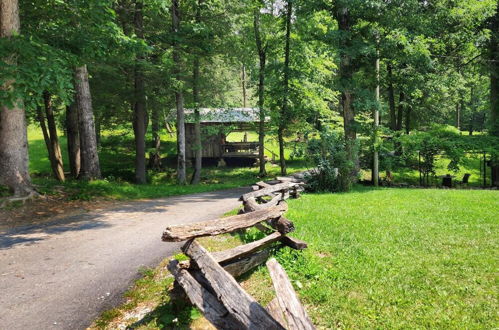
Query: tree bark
139, 122
243, 84
14, 159
400, 111
43, 125
55, 148
179, 98
375, 172
283, 120
391, 97
90, 168
346, 75
198, 147
408, 111
261, 91
494, 90
73, 134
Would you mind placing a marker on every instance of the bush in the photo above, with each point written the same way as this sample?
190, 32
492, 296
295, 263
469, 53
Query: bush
334, 171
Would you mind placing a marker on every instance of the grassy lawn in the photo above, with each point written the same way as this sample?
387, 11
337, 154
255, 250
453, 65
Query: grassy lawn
385, 258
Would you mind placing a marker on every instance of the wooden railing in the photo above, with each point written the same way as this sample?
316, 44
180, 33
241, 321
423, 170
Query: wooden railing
208, 279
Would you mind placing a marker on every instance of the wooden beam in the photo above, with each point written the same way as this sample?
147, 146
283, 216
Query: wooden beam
267, 191
282, 225
294, 243
238, 303
251, 205
262, 184
242, 266
222, 225
275, 310
244, 250
295, 314
208, 304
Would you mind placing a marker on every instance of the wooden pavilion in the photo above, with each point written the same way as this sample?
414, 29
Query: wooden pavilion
216, 125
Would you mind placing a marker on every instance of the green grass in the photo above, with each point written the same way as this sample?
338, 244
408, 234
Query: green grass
377, 258
398, 258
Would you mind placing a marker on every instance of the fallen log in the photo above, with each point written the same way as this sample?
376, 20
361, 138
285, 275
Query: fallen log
295, 314
237, 302
275, 310
267, 191
208, 304
222, 225
294, 243
244, 250
262, 184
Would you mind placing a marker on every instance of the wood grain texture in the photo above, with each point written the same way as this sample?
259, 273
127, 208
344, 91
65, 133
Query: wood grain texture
275, 310
294, 243
282, 225
244, 250
237, 302
267, 190
242, 266
251, 204
296, 316
222, 225
208, 304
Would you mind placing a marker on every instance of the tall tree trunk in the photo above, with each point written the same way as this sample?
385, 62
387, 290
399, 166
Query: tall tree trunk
139, 122
73, 139
391, 97
43, 125
346, 74
14, 159
179, 97
283, 120
90, 168
155, 127
458, 115
198, 147
243, 84
375, 173
400, 111
494, 89
261, 91
408, 111
55, 148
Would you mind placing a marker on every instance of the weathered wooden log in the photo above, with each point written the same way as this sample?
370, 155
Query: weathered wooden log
275, 310
237, 302
239, 267
244, 250
267, 191
208, 304
222, 225
282, 225
295, 314
251, 205
294, 243
262, 184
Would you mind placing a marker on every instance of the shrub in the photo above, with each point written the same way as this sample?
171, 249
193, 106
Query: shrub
334, 171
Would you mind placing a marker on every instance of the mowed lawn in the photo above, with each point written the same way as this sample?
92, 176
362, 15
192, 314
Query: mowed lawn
397, 258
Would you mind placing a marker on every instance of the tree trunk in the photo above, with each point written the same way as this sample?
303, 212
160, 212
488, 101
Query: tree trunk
198, 147
400, 111
408, 111
14, 159
243, 83
391, 97
155, 127
346, 74
90, 168
458, 115
41, 120
283, 120
73, 139
494, 89
261, 91
375, 172
179, 98
55, 148
139, 122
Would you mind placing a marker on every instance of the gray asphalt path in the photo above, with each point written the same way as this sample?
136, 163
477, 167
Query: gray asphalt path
62, 275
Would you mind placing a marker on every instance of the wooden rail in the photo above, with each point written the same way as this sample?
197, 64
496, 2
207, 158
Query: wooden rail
208, 279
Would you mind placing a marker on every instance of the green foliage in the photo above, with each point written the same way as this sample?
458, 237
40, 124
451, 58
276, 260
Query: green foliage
334, 170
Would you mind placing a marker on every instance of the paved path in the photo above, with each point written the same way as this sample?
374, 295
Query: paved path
61, 275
